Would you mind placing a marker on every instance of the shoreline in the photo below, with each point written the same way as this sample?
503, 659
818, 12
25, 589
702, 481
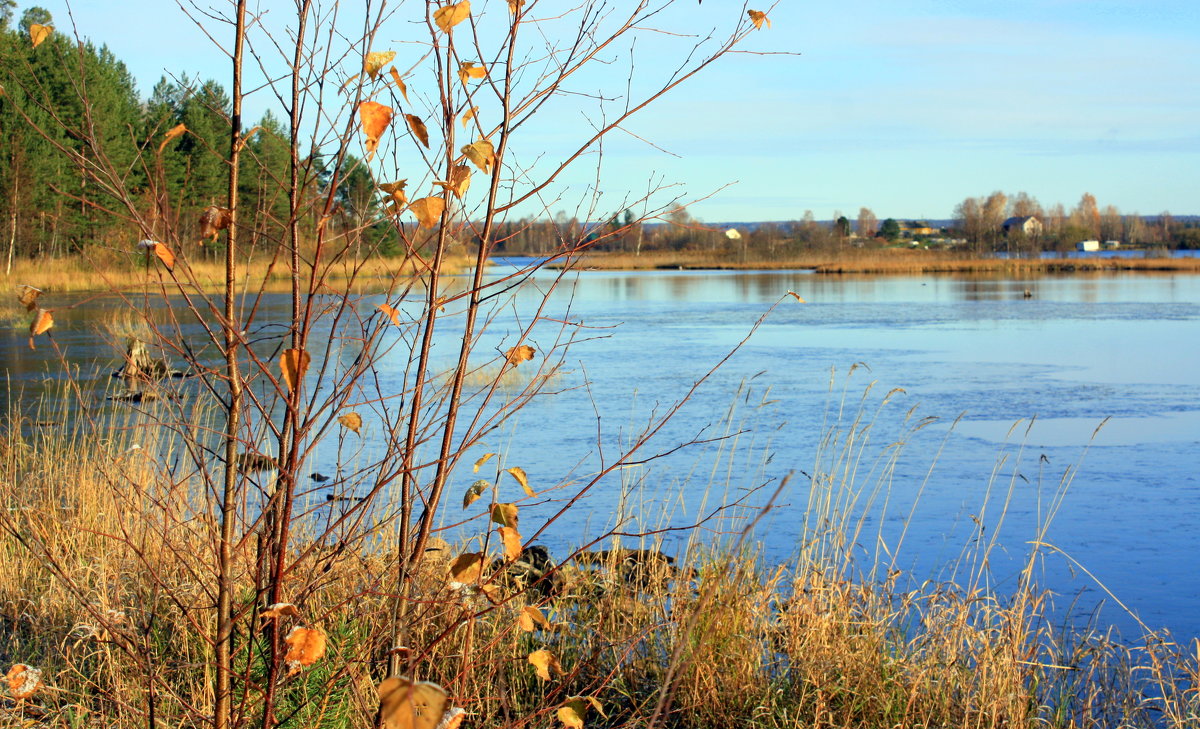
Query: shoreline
898, 262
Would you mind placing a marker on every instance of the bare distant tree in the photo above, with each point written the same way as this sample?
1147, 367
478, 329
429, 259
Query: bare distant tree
1111, 225
1023, 206
867, 223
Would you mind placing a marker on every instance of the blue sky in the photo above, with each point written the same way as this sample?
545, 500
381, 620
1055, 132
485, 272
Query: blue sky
905, 107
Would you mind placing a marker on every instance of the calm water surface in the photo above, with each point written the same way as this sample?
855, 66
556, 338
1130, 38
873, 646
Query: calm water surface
1123, 349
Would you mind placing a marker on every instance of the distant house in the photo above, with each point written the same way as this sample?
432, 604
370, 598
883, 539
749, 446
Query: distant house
1087, 245
914, 228
1111, 245
1027, 225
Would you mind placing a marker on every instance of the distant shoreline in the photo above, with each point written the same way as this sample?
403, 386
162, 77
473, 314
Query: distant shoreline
880, 262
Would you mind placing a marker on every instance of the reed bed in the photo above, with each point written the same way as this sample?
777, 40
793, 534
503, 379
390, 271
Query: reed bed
106, 273
107, 589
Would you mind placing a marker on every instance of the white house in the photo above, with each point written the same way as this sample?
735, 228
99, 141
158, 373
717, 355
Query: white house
1087, 245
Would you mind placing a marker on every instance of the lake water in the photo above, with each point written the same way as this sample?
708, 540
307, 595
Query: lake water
1083, 349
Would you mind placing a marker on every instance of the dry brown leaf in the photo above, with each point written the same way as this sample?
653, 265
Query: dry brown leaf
40, 325
505, 515
375, 61
570, 717
165, 255
474, 492
23, 681
305, 647
293, 363
453, 718
519, 473
418, 129
374, 118
482, 154
460, 181
28, 297
451, 15
468, 115
399, 82
519, 354
758, 18
428, 210
279, 610
404, 704
213, 220
512, 543
531, 618
468, 568
797, 296
467, 70
353, 421
173, 133
544, 661
392, 313
397, 200
482, 460
39, 33
515, 5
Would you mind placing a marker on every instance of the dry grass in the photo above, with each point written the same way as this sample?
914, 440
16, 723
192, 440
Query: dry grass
879, 261
107, 273
108, 587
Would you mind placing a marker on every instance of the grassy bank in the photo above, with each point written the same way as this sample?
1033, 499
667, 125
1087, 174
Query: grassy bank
880, 261
108, 590
103, 273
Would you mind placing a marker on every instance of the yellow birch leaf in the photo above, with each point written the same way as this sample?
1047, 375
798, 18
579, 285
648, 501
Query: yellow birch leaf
468, 568
399, 83
353, 421
758, 18
467, 70
28, 297
519, 354
468, 115
451, 15
512, 543
280, 610
505, 515
392, 313
482, 154
460, 181
305, 647
40, 325
428, 210
374, 118
293, 363
375, 61
530, 618
482, 460
474, 491
397, 200
23, 681
173, 133
570, 717
405, 704
39, 33
574, 709
544, 661
519, 473
418, 129
165, 255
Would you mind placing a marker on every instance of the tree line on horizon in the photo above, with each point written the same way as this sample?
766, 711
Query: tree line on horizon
65, 104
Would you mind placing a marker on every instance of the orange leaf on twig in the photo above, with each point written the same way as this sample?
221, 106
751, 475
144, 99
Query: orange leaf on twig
214, 220
353, 421
418, 129
374, 118
40, 325
375, 61
451, 15
293, 363
519, 354
405, 704
758, 17
428, 210
305, 647
482, 154
39, 33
